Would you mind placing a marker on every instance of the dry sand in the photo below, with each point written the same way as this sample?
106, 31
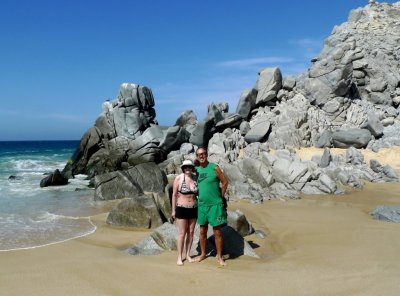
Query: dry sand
318, 245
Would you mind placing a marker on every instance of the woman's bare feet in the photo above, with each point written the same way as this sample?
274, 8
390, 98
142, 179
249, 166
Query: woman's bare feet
179, 262
189, 259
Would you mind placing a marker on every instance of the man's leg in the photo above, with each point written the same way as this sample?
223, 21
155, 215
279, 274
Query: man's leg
218, 244
203, 241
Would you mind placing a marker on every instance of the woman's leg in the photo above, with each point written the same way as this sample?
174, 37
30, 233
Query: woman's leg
189, 237
182, 228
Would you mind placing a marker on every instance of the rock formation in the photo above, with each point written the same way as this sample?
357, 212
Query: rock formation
348, 98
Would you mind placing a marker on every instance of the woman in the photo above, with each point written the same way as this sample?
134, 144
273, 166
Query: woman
184, 208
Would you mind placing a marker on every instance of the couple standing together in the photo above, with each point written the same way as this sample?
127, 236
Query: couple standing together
202, 201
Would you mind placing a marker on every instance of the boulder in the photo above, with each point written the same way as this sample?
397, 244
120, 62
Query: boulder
259, 131
54, 179
353, 137
146, 177
374, 126
376, 166
326, 158
246, 103
387, 213
354, 156
164, 238
187, 119
229, 121
173, 138
203, 132
238, 221
244, 128
325, 139
268, 85
289, 83
390, 173
139, 211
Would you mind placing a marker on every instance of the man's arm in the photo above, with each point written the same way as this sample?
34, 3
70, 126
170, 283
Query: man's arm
222, 179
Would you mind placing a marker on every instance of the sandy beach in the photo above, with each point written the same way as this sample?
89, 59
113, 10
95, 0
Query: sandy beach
317, 245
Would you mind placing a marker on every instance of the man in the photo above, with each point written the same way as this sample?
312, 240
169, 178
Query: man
212, 185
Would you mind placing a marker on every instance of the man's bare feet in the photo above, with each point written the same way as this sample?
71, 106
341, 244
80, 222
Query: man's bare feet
221, 261
200, 258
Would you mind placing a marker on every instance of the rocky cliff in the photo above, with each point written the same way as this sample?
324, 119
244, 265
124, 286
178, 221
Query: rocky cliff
348, 98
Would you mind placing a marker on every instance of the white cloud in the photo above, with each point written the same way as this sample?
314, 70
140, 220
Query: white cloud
67, 117
310, 47
256, 62
224, 82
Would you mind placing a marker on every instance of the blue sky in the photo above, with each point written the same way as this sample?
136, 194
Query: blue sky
60, 60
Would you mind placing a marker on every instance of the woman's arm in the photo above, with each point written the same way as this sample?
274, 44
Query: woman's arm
174, 194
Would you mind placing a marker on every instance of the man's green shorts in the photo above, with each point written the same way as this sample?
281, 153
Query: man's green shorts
214, 215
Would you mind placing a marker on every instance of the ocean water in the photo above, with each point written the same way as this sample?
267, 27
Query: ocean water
31, 216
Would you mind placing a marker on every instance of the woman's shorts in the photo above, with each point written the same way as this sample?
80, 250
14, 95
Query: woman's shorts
214, 215
185, 213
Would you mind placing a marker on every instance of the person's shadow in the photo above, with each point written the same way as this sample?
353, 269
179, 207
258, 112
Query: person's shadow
234, 244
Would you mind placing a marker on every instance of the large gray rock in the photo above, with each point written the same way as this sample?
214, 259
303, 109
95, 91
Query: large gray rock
287, 171
238, 221
134, 110
187, 119
387, 213
326, 158
146, 177
354, 156
244, 128
164, 238
256, 170
246, 103
353, 137
115, 185
230, 120
127, 117
391, 137
390, 173
203, 131
374, 126
325, 140
139, 211
375, 166
327, 184
289, 82
259, 131
54, 179
161, 239
146, 147
289, 124
268, 85
89, 144
173, 138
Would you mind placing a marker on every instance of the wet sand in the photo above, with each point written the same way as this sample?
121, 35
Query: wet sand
318, 245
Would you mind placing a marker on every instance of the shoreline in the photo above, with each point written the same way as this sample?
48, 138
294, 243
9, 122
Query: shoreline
317, 245
56, 242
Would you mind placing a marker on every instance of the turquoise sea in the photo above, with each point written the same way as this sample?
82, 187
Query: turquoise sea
31, 216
